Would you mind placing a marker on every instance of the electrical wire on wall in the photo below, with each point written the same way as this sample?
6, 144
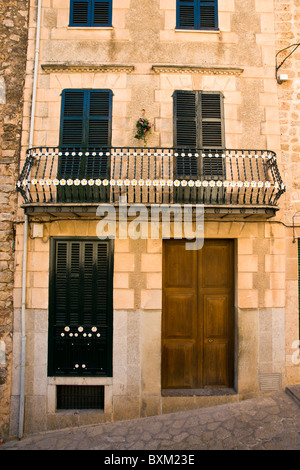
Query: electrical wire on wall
295, 46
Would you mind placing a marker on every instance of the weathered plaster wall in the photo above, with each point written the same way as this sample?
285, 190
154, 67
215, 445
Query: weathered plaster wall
13, 47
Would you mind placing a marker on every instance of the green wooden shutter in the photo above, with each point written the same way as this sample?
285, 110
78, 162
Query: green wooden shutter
79, 12
208, 14
72, 119
212, 122
186, 14
185, 133
185, 119
98, 119
101, 12
90, 12
86, 118
197, 14
212, 133
198, 124
80, 323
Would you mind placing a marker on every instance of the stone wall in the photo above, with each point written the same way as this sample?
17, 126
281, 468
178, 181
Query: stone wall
287, 29
13, 37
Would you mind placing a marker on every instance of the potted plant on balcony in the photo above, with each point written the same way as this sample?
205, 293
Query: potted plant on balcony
143, 128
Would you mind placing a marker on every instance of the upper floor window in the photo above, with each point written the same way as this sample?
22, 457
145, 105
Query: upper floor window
198, 119
197, 14
198, 124
91, 13
86, 119
85, 134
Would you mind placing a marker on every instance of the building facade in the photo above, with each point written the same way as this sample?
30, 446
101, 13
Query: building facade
14, 17
123, 313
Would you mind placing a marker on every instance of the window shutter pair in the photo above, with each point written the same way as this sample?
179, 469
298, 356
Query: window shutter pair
91, 13
85, 136
80, 325
197, 14
198, 124
198, 120
85, 119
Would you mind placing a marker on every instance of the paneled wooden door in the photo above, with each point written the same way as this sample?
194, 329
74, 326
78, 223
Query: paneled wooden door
198, 315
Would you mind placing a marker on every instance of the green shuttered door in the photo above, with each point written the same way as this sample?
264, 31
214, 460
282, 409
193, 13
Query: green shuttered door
80, 322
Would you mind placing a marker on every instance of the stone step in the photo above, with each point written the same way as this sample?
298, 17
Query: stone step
294, 392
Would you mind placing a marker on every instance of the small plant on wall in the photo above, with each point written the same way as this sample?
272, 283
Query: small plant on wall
143, 128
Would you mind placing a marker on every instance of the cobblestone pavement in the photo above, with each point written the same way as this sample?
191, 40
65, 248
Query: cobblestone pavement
265, 423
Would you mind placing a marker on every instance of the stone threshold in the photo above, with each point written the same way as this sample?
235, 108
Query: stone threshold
204, 392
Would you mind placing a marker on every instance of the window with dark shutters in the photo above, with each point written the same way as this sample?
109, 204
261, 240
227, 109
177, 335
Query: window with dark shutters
91, 13
85, 135
80, 321
198, 124
197, 14
85, 119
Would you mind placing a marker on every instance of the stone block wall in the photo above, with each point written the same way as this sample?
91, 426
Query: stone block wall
287, 31
135, 389
13, 47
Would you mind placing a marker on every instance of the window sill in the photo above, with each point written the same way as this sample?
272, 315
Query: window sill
210, 31
90, 27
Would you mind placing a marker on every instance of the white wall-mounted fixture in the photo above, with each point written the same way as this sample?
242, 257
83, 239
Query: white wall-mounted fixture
283, 77
37, 230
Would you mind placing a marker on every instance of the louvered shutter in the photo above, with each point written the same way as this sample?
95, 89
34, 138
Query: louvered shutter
101, 15
71, 133
98, 119
198, 124
186, 119
185, 116
85, 127
86, 119
211, 115
197, 14
80, 12
90, 12
80, 326
98, 133
212, 134
72, 119
186, 14
208, 15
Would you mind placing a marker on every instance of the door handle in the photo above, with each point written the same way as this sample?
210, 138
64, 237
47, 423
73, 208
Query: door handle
210, 340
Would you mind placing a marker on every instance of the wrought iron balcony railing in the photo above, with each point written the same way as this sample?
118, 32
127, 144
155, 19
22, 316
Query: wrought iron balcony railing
147, 175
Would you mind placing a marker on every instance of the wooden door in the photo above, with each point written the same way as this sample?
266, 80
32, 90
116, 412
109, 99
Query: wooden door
198, 315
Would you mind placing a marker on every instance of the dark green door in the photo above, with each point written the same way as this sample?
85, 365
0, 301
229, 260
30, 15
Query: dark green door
80, 310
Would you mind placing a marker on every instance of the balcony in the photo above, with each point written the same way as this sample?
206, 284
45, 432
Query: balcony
226, 181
